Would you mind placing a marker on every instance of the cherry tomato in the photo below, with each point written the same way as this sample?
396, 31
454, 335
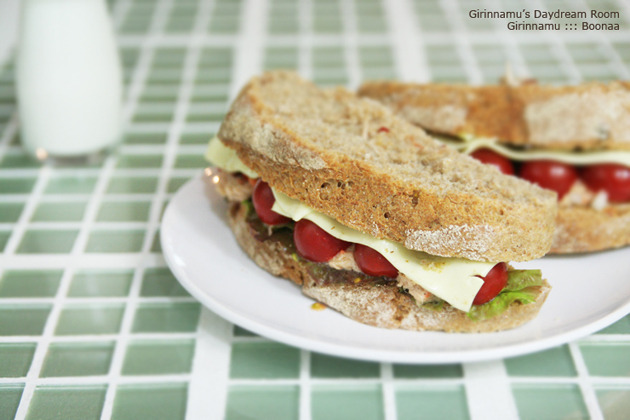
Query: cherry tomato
556, 176
610, 177
263, 200
372, 262
493, 283
314, 243
490, 157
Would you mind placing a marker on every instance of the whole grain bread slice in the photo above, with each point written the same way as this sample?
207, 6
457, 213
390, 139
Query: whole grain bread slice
354, 160
585, 229
587, 116
369, 301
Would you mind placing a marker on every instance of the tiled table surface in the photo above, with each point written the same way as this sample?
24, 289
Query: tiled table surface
92, 323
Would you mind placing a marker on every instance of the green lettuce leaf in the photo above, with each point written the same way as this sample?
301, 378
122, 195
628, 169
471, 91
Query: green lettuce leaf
522, 286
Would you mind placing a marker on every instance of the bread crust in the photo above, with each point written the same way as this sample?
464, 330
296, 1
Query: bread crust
325, 148
587, 116
380, 306
585, 229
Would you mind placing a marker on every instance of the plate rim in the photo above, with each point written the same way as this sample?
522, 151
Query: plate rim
375, 355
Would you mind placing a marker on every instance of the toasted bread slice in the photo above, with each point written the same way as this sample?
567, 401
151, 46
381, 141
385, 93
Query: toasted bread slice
587, 116
369, 300
585, 229
357, 162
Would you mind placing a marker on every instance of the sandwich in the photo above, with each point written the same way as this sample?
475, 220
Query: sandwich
574, 140
372, 217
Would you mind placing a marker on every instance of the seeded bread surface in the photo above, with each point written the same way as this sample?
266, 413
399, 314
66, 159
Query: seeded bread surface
587, 116
354, 160
383, 306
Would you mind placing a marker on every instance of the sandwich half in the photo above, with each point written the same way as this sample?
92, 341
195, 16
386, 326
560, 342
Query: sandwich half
374, 218
574, 140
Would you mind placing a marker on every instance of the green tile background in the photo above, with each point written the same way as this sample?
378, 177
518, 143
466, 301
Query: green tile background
549, 401
101, 283
66, 402
151, 401
431, 402
27, 319
77, 359
361, 402
10, 399
15, 359
117, 302
264, 360
266, 402
29, 283
90, 319
156, 357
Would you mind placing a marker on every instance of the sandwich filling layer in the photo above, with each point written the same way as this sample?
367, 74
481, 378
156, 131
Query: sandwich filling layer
585, 178
471, 143
454, 280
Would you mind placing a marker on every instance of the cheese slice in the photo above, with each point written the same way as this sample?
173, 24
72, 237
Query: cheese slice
451, 279
454, 280
471, 143
225, 158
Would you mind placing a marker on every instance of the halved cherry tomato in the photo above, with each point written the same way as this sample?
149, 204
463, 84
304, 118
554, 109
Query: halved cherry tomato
314, 243
556, 176
263, 200
610, 177
493, 283
372, 262
490, 157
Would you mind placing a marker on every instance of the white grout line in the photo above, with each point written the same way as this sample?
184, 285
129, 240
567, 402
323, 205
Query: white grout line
42, 347
389, 391
7, 135
622, 71
210, 371
250, 44
30, 206
350, 44
92, 338
102, 380
9, 28
208, 388
95, 260
559, 49
215, 40
351, 381
78, 172
158, 21
585, 384
305, 385
118, 13
488, 390
406, 42
510, 45
93, 300
462, 41
5, 139
305, 51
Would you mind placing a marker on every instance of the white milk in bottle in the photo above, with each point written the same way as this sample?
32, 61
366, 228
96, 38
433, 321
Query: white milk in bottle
69, 84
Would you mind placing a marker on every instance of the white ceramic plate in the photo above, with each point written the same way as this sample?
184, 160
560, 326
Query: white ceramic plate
589, 292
